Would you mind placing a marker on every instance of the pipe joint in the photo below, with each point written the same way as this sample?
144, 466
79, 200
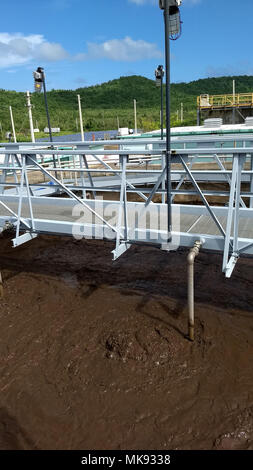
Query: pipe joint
194, 252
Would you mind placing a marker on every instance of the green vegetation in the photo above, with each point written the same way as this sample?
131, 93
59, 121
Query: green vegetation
103, 104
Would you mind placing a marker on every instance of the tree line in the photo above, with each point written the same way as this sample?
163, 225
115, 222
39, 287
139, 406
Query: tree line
109, 103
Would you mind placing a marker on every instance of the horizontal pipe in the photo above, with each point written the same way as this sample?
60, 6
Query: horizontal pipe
235, 137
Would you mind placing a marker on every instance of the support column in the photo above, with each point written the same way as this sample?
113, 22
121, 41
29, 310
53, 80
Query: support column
168, 133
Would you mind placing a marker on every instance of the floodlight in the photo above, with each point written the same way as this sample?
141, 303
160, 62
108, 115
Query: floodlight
159, 74
174, 16
176, 3
38, 79
39, 83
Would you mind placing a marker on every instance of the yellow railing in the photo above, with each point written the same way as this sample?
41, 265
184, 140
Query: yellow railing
219, 101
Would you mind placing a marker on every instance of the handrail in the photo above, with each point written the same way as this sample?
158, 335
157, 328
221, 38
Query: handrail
136, 142
227, 100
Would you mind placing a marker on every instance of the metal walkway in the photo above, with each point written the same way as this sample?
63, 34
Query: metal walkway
227, 228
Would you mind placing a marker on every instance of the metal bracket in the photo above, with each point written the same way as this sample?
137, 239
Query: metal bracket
26, 237
231, 265
120, 250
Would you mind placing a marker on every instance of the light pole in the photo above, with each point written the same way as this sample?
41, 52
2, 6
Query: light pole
135, 118
39, 82
29, 106
80, 117
172, 27
159, 74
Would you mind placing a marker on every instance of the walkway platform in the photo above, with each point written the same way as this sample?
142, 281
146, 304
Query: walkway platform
227, 228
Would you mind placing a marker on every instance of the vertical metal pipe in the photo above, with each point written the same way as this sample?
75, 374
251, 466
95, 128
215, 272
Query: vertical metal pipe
230, 213
28, 190
82, 176
59, 164
48, 117
162, 107
21, 195
191, 301
74, 165
124, 160
46, 106
80, 117
13, 125
135, 118
168, 154
191, 258
237, 203
162, 136
29, 106
233, 112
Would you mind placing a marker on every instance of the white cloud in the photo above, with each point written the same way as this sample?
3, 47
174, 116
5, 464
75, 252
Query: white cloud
17, 49
127, 50
52, 52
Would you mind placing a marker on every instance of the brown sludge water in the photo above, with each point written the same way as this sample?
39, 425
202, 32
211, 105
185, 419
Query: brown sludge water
94, 355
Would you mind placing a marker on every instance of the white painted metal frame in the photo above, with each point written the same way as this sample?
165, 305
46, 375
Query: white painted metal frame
20, 161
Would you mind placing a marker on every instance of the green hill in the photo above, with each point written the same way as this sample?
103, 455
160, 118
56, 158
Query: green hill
103, 104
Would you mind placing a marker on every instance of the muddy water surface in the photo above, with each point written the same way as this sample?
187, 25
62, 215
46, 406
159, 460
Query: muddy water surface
94, 355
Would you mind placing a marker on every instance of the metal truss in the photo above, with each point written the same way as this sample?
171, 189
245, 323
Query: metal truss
227, 228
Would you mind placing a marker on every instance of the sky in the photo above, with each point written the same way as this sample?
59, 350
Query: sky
86, 42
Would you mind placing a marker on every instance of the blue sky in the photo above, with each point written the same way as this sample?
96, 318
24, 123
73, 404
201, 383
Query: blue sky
85, 42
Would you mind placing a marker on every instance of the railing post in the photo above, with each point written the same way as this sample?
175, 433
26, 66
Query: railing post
237, 204
230, 212
7, 159
123, 202
29, 195
21, 194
